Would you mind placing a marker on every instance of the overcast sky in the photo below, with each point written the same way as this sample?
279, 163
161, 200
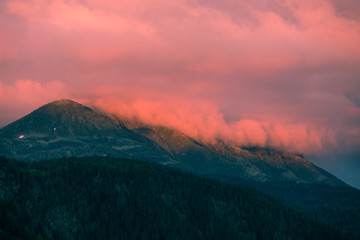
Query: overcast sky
284, 74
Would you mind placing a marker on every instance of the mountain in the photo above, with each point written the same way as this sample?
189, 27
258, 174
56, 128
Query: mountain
66, 128
287, 177
106, 198
223, 160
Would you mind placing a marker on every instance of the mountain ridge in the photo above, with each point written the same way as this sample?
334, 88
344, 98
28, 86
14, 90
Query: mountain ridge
264, 164
65, 128
61, 116
290, 178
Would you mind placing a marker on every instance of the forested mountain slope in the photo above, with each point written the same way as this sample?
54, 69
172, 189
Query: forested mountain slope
105, 198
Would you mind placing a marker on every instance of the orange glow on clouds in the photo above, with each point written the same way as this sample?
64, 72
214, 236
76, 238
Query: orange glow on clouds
202, 121
270, 73
26, 95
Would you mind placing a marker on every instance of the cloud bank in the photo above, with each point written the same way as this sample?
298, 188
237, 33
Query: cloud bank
270, 73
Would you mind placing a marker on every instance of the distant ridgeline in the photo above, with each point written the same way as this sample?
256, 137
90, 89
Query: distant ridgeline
65, 128
105, 198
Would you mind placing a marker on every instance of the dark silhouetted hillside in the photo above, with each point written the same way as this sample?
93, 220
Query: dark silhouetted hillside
103, 198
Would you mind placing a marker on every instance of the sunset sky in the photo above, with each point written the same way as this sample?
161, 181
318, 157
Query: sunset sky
283, 74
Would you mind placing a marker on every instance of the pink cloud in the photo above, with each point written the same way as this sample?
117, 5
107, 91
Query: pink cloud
202, 121
277, 73
25, 95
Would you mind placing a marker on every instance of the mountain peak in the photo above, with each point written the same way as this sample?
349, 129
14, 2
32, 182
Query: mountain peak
66, 126
65, 105
63, 102
64, 118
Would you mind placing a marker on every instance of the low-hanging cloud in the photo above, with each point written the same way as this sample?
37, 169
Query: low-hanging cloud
202, 121
269, 73
197, 118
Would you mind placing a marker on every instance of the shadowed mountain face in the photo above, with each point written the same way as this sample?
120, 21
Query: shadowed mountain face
224, 161
66, 128
64, 119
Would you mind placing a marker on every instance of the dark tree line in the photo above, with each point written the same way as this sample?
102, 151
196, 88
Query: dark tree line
105, 198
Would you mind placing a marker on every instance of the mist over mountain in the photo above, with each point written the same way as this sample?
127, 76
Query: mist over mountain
264, 94
65, 128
